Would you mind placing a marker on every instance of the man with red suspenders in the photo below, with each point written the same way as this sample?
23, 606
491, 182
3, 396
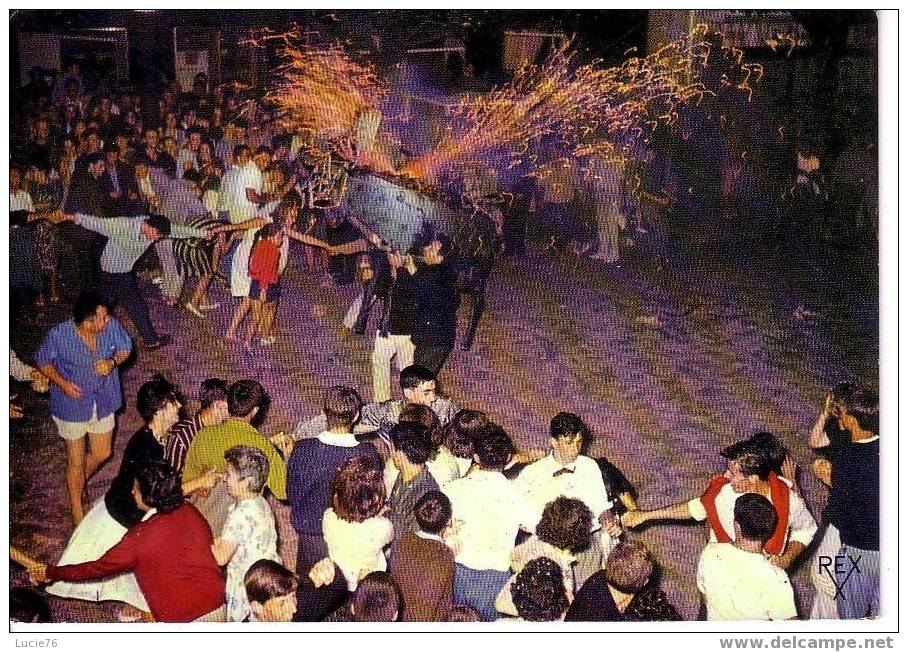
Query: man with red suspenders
749, 470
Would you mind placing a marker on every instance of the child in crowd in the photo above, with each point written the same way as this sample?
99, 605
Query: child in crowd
265, 289
355, 531
271, 591
249, 533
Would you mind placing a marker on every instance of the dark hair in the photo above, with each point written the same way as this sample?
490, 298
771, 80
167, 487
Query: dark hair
268, 231
244, 396
412, 440
775, 450
341, 405
91, 159
193, 176
159, 223
425, 417
463, 430
250, 463
462, 613
538, 591
753, 460
629, 566
213, 390
864, 406
358, 489
263, 149
377, 599
154, 396
414, 376
267, 579
160, 486
433, 512
87, 305
842, 389
239, 149
289, 201
566, 424
28, 606
566, 524
756, 517
493, 448
111, 148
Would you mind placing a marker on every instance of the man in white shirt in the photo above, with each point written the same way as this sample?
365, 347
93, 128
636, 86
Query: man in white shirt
488, 512
565, 472
749, 470
736, 579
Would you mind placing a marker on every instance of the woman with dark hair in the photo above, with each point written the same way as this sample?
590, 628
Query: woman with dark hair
158, 403
169, 552
459, 436
354, 529
562, 533
442, 465
80, 357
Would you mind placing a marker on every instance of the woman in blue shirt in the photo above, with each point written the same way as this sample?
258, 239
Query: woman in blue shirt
80, 357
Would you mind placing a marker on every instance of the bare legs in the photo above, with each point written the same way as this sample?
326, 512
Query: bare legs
238, 317
80, 466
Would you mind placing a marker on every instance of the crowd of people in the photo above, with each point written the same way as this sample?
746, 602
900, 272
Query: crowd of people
407, 508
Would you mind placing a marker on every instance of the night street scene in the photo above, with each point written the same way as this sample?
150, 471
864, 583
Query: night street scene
448, 316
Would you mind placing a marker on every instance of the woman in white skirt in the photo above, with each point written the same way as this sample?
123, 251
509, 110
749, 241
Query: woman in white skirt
109, 519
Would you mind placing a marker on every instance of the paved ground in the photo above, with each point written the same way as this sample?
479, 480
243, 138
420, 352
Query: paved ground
666, 365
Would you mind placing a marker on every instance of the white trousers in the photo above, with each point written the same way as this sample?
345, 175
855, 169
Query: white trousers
398, 348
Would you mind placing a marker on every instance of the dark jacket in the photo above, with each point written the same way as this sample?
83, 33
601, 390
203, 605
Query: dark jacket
435, 302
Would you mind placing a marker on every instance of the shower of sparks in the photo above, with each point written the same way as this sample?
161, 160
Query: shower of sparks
321, 92
586, 110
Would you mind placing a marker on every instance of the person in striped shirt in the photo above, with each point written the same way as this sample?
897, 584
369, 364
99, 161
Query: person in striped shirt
212, 412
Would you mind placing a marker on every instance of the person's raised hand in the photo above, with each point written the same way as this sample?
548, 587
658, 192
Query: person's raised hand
322, 574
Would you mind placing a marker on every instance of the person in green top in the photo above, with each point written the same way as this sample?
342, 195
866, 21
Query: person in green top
245, 399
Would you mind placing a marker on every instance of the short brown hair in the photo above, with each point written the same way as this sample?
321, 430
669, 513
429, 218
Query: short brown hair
426, 417
629, 566
566, 524
267, 579
462, 431
358, 489
433, 512
377, 599
341, 405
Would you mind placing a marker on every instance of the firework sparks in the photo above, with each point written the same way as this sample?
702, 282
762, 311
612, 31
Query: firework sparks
587, 109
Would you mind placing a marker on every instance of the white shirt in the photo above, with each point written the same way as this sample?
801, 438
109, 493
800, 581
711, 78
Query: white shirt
492, 511
347, 440
739, 585
801, 525
233, 191
357, 547
541, 487
18, 369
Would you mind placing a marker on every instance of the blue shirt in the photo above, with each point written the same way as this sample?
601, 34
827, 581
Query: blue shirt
65, 350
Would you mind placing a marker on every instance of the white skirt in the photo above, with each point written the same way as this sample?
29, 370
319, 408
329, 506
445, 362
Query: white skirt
97, 533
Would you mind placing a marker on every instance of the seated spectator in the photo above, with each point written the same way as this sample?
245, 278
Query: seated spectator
249, 533
539, 593
245, 400
441, 463
737, 581
623, 590
355, 532
486, 537
28, 606
311, 467
377, 600
271, 591
169, 553
213, 411
410, 448
423, 564
562, 533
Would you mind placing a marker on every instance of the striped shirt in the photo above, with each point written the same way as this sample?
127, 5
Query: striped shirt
179, 437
